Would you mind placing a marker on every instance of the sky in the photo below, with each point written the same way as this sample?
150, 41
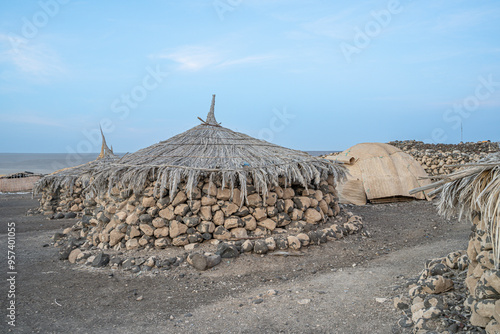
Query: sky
304, 74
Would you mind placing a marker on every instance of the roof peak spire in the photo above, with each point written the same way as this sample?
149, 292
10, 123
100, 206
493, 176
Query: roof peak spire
211, 114
105, 150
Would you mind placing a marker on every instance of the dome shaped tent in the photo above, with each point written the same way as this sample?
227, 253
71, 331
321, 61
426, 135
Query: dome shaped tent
210, 181
379, 173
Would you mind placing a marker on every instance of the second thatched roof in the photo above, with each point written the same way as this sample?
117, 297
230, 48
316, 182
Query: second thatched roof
210, 150
66, 177
474, 191
466, 192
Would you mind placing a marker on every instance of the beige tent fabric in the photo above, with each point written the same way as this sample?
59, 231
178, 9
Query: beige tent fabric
352, 191
381, 173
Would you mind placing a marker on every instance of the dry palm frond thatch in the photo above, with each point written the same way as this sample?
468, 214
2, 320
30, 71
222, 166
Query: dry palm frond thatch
210, 150
66, 178
471, 191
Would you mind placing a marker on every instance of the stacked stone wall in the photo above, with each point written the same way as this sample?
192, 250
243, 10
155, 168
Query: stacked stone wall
483, 279
123, 220
64, 200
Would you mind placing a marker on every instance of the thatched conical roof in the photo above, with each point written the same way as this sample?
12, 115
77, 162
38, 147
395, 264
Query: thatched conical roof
471, 191
212, 150
66, 177
468, 191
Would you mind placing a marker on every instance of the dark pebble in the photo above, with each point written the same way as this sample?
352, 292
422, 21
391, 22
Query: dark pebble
127, 264
58, 236
453, 328
64, 252
227, 251
405, 322
115, 260
70, 215
100, 260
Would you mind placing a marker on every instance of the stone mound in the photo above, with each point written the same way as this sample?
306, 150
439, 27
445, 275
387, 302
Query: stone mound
76, 248
435, 157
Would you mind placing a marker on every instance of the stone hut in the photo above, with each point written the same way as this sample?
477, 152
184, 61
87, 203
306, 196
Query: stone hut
63, 191
208, 182
474, 194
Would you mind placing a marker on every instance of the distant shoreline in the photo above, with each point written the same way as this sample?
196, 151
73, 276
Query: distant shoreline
46, 163
43, 163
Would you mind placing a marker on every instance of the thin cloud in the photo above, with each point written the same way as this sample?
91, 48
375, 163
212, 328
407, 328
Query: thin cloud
32, 119
196, 58
425, 57
391, 98
338, 26
191, 58
28, 57
491, 102
247, 60
464, 20
298, 35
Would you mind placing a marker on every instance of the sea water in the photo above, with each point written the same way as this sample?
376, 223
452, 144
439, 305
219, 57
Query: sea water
43, 163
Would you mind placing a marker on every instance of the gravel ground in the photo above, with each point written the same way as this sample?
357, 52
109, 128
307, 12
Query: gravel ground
332, 288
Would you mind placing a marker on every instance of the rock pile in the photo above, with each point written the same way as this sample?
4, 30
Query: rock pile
77, 248
435, 157
435, 300
459, 293
469, 147
134, 264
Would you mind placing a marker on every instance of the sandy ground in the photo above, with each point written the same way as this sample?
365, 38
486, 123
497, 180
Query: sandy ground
330, 289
